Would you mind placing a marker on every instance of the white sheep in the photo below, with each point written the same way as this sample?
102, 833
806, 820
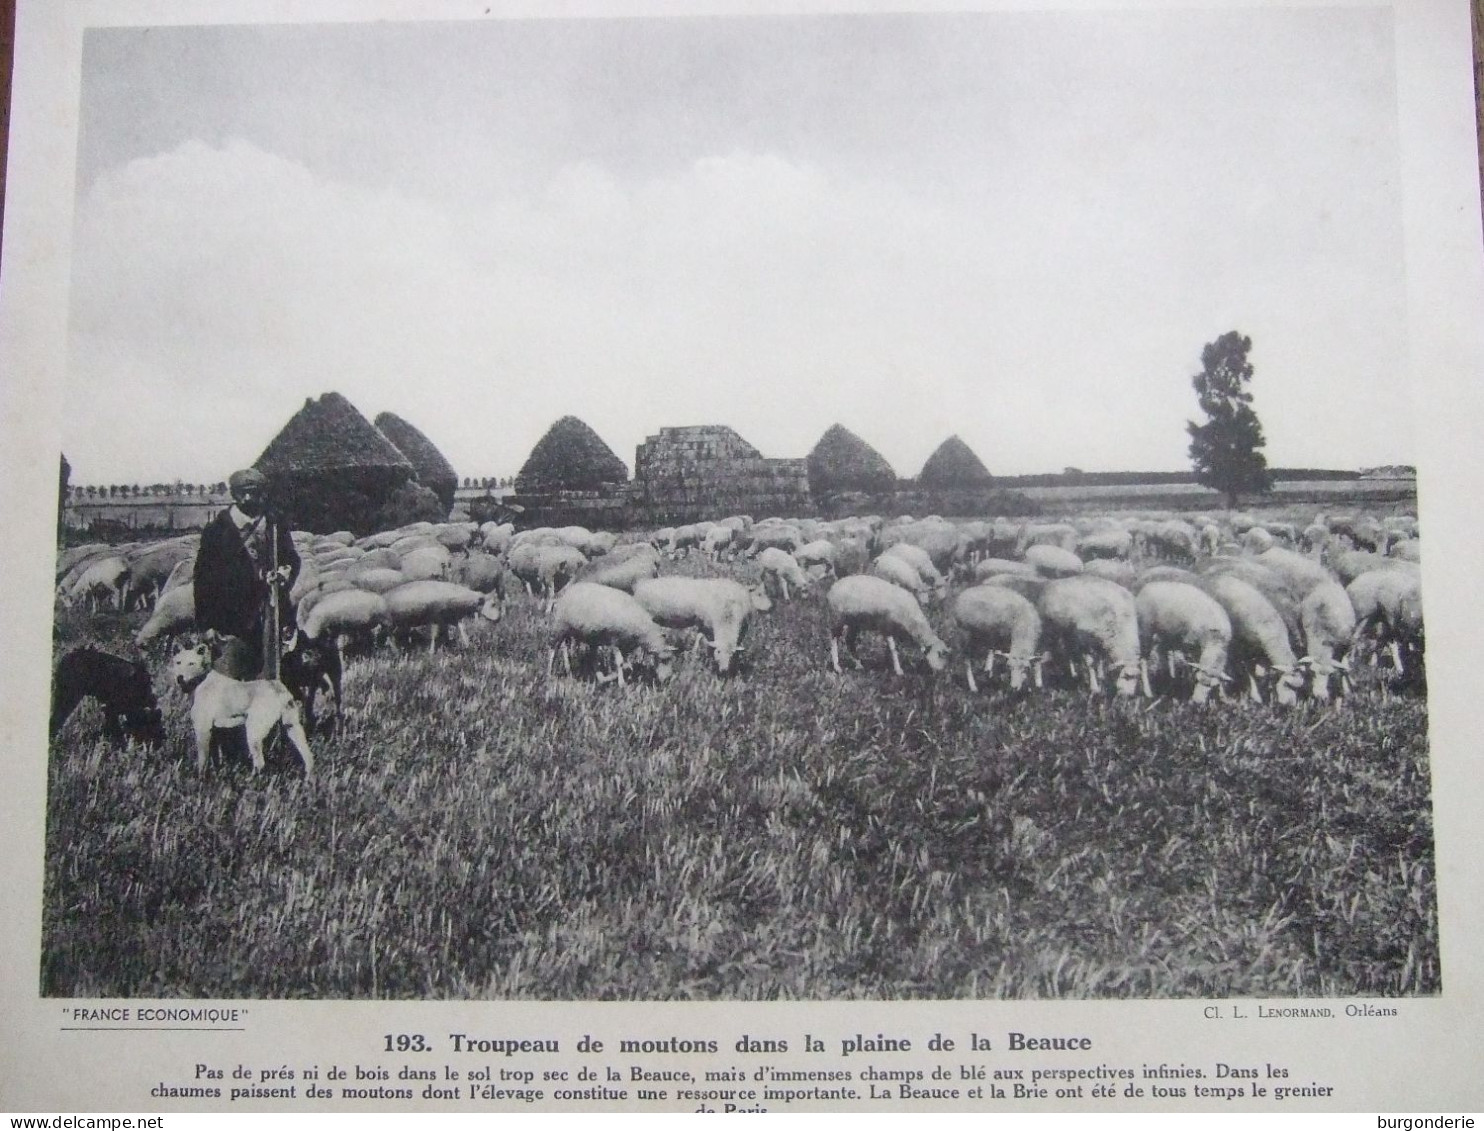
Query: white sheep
719, 607
1260, 647
174, 614
1388, 612
436, 604
429, 562
601, 616
780, 570
1328, 620
1299, 573
1109, 543
545, 568
1062, 534
1113, 569
343, 614
1347, 565
985, 568
104, 578
821, 554
922, 561
623, 570
377, 579
1004, 624
783, 535
1180, 619
497, 536
1053, 561
1257, 540
718, 539
864, 602
1091, 619
901, 573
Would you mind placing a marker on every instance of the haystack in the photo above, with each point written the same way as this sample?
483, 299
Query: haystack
330, 469
842, 461
570, 457
433, 471
953, 464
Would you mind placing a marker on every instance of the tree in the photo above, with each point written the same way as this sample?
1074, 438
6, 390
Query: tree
1226, 451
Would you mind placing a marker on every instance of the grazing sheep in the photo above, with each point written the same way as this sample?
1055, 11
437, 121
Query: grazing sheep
150, 569
717, 540
784, 536
820, 553
1178, 618
1406, 550
478, 570
900, 572
1091, 619
780, 570
920, 560
719, 607
939, 541
1388, 611
625, 570
1164, 573
174, 614
1111, 543
436, 604
1260, 647
343, 615
1053, 561
430, 562
545, 569
1061, 534
1328, 621
184, 572
1257, 540
497, 536
1112, 569
985, 568
105, 578
1347, 565
79, 557
1209, 537
1172, 539
600, 616
1004, 624
876, 604
377, 579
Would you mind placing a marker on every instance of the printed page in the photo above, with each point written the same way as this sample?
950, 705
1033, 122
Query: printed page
792, 557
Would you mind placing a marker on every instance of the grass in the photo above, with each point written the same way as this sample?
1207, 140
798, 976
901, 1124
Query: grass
477, 831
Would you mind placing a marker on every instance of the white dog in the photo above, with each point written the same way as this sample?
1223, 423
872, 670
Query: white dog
218, 702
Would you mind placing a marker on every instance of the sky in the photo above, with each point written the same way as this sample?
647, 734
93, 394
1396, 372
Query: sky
1016, 227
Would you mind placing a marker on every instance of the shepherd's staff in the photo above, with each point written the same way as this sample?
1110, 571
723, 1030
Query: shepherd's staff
272, 633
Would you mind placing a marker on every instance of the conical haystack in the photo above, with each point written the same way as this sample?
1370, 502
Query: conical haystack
330, 469
842, 461
954, 464
433, 471
570, 457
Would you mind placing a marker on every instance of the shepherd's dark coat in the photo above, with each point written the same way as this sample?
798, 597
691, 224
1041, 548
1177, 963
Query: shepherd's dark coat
230, 593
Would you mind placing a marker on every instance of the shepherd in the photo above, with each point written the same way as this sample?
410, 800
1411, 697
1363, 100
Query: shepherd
245, 567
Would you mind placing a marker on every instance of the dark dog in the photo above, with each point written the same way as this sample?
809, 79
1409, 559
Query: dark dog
308, 667
123, 686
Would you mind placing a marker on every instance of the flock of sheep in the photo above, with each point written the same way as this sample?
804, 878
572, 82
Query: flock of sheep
1225, 606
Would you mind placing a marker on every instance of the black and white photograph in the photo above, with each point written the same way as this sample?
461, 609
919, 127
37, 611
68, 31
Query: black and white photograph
746, 506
